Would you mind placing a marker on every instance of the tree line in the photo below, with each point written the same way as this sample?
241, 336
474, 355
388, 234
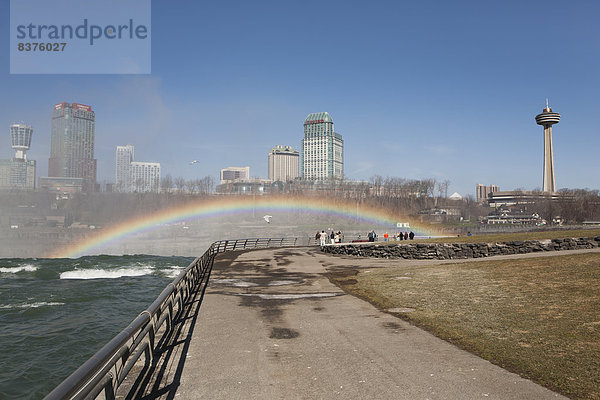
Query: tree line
205, 185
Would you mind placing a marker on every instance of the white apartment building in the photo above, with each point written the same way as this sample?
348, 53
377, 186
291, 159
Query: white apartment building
145, 176
284, 163
124, 157
135, 176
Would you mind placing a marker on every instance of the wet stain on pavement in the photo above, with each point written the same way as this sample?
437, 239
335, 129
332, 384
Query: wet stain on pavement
269, 309
394, 326
283, 333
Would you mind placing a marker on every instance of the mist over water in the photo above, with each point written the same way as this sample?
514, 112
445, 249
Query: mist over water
187, 238
185, 225
192, 237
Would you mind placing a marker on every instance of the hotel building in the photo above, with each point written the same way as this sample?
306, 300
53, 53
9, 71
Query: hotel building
283, 164
72, 143
322, 149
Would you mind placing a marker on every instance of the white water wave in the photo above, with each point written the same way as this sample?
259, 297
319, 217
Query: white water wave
14, 270
173, 272
31, 305
105, 273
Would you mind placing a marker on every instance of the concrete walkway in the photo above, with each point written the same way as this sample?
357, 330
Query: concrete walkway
272, 326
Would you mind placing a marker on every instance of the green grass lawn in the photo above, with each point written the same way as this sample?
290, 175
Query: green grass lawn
539, 317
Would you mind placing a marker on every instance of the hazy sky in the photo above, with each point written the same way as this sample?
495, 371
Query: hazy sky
418, 89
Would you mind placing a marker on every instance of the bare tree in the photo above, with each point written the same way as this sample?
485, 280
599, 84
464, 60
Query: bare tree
166, 183
207, 184
442, 188
179, 183
191, 186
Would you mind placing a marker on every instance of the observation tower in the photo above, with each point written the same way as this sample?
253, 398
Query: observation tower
21, 139
548, 118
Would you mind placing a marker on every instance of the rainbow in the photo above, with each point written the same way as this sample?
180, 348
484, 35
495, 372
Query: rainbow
216, 206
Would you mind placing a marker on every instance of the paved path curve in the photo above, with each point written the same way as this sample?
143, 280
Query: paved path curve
272, 326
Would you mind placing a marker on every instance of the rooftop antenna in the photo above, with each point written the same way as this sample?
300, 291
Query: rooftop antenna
547, 106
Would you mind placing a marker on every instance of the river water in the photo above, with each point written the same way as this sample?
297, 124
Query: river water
56, 313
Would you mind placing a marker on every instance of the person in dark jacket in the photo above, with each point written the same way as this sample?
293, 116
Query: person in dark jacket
411, 235
372, 236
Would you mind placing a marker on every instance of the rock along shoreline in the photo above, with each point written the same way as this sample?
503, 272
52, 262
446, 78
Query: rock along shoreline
449, 251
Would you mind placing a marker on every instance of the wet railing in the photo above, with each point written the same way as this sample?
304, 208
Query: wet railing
106, 370
257, 243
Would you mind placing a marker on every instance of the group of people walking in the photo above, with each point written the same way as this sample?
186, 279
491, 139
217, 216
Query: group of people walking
337, 237
397, 236
333, 237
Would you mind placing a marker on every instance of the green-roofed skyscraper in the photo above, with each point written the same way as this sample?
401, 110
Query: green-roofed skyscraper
322, 149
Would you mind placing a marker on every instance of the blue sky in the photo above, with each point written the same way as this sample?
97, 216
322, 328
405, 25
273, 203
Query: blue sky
428, 89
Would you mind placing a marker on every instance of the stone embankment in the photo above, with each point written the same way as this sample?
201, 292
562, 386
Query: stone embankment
447, 251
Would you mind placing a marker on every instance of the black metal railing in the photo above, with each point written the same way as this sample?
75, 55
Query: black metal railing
257, 243
108, 368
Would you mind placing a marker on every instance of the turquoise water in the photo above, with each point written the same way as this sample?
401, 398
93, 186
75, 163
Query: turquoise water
55, 314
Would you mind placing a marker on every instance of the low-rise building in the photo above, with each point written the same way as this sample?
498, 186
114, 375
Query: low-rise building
513, 217
523, 197
232, 174
247, 186
483, 192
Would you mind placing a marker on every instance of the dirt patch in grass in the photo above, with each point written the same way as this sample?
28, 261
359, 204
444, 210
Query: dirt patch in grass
539, 317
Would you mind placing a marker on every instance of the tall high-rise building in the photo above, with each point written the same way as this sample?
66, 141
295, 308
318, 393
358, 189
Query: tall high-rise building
548, 118
18, 172
483, 191
231, 174
124, 158
72, 143
322, 149
145, 176
283, 163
